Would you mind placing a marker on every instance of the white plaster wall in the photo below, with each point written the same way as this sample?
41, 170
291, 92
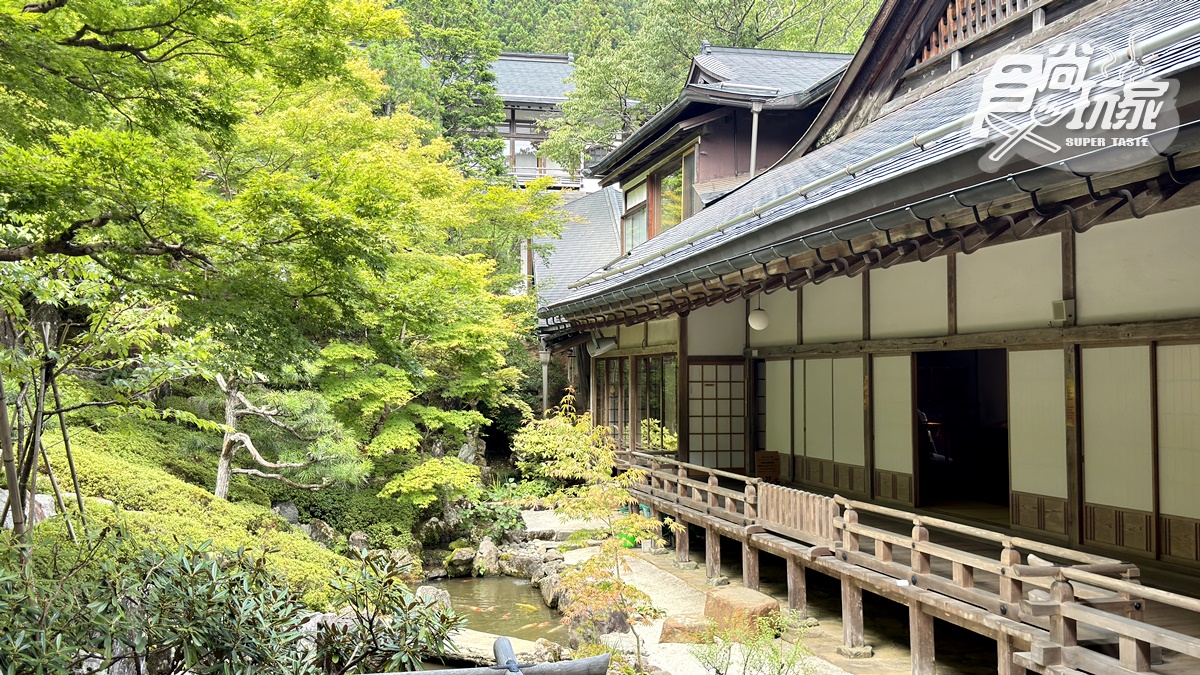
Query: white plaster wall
664, 332
1179, 430
1037, 422
849, 432
833, 311
1140, 270
719, 330
818, 408
910, 300
893, 410
1117, 457
630, 337
1010, 286
798, 403
781, 308
779, 406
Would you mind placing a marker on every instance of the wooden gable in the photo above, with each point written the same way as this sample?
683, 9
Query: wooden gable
966, 20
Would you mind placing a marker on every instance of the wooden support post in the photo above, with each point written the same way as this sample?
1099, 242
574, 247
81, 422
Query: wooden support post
680, 488
751, 502
682, 554
797, 581
1063, 631
964, 575
850, 539
1135, 654
920, 640
749, 566
1010, 588
920, 561
1004, 657
712, 552
852, 614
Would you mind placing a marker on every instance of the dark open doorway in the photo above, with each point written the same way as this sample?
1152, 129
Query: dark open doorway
962, 433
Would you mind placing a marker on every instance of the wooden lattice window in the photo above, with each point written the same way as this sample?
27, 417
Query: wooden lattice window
717, 415
966, 19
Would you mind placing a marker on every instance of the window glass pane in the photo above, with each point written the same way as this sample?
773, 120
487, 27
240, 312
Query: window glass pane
670, 200
525, 157
635, 229
635, 195
691, 200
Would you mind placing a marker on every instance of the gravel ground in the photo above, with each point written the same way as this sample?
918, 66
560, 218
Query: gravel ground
676, 597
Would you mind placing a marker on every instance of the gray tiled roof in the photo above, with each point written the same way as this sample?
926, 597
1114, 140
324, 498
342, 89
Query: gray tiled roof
533, 77
765, 70
589, 240
720, 225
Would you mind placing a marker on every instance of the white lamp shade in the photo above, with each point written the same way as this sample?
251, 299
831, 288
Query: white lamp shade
759, 319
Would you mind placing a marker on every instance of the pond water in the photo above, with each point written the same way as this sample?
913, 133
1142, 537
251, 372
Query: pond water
503, 606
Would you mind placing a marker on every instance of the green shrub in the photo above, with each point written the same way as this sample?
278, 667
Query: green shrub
159, 507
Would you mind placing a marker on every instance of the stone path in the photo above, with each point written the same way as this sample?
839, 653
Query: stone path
675, 596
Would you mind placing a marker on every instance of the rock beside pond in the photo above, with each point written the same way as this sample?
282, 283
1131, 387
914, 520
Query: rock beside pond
521, 565
552, 591
460, 563
438, 596
546, 651
487, 559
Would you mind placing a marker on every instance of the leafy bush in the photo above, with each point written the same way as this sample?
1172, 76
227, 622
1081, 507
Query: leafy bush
158, 507
388, 523
192, 609
760, 651
434, 480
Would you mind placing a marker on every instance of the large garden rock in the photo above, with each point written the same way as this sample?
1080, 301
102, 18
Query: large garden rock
43, 508
320, 532
431, 532
439, 596
287, 511
487, 559
552, 590
360, 540
460, 563
735, 606
521, 565
686, 629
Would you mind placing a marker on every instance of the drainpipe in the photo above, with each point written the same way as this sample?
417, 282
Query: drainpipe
754, 110
544, 356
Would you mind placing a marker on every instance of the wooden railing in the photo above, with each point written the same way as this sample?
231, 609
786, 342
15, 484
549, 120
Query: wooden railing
1024, 591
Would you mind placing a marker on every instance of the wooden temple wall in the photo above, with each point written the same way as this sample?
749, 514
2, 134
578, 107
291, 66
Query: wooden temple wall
1103, 412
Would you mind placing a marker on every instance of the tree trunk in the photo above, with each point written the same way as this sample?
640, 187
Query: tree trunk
228, 444
224, 468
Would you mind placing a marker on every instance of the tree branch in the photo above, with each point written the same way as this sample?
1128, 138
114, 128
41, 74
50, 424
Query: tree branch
43, 7
285, 480
262, 461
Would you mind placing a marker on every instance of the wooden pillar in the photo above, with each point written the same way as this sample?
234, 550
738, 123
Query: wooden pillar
749, 566
682, 553
920, 640
1135, 654
797, 582
681, 409
712, 552
1004, 657
852, 614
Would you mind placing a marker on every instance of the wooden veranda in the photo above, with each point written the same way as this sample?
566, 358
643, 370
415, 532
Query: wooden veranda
1050, 609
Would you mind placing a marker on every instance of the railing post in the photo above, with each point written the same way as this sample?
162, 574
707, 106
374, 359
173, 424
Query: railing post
1004, 657
680, 488
1135, 654
920, 560
1063, 631
849, 539
751, 502
749, 552
1010, 588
